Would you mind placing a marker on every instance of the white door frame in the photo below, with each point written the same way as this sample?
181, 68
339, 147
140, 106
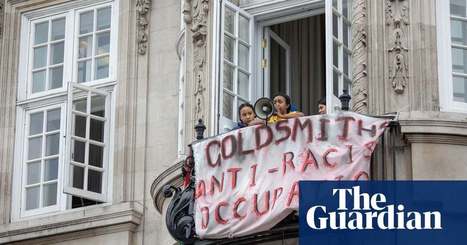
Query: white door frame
270, 34
271, 18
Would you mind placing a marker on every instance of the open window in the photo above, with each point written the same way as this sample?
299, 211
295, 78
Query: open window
338, 41
63, 139
87, 141
235, 63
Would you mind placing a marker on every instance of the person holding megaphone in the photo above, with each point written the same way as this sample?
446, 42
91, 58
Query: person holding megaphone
282, 107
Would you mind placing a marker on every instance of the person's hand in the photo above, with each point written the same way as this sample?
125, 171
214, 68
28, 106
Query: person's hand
256, 121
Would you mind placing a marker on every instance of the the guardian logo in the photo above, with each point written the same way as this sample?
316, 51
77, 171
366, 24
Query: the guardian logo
368, 213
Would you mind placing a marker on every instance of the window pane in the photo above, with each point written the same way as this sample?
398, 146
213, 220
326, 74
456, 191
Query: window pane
40, 57
348, 85
35, 148
78, 151
228, 76
78, 177
103, 18
227, 107
86, 21
51, 169
102, 67
94, 181
459, 60
229, 45
335, 83
32, 197
56, 77
53, 120
229, 20
243, 85
84, 71
335, 54
36, 123
458, 32
56, 53
49, 195
98, 105
345, 8
335, 27
41, 33
80, 126
244, 29
458, 7
58, 29
346, 63
97, 130
345, 30
85, 47
96, 155
38, 81
33, 173
103, 43
459, 89
243, 56
80, 105
52, 144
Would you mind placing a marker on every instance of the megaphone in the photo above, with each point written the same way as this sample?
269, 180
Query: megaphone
264, 108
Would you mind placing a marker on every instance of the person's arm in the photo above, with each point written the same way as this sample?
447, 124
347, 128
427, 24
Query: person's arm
292, 115
256, 121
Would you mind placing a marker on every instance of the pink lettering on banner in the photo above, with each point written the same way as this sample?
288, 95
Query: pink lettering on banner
247, 180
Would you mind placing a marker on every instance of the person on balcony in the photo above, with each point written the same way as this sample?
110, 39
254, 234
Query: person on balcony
283, 109
322, 106
247, 116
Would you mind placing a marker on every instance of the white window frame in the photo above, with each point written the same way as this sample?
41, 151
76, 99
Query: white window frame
226, 124
70, 68
332, 100
445, 73
29, 103
61, 201
66, 55
112, 51
68, 187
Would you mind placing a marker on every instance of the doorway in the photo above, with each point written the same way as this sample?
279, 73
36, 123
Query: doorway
295, 61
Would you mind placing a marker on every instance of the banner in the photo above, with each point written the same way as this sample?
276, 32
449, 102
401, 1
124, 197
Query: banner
247, 179
383, 212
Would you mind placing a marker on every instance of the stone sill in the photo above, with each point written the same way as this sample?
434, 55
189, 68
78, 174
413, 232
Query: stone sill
84, 222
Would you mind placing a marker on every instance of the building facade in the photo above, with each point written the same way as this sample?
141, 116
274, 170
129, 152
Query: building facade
99, 99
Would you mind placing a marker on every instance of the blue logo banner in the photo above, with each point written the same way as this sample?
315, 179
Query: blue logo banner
383, 212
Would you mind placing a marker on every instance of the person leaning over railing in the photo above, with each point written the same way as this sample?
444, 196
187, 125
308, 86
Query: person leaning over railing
247, 116
282, 108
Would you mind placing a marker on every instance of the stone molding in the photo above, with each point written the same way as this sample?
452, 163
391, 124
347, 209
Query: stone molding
1, 18
171, 176
196, 15
142, 21
397, 19
360, 56
437, 139
84, 222
434, 127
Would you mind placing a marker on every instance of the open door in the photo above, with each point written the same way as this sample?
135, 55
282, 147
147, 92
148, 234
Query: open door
276, 63
338, 58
